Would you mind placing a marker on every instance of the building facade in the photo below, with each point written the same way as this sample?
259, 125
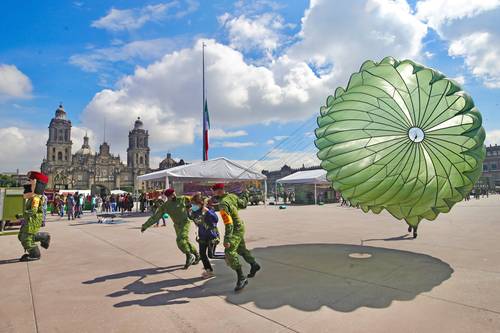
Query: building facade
273, 176
86, 168
491, 169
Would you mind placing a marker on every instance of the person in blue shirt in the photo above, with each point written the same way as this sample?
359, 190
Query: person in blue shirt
208, 235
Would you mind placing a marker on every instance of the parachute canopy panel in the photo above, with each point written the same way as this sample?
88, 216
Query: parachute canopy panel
401, 137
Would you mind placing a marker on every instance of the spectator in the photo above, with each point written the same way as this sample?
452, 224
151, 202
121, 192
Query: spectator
70, 204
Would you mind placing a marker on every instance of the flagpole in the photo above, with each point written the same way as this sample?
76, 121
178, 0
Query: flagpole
203, 101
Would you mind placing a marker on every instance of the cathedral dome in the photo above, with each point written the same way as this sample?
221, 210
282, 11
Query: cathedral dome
85, 150
60, 113
138, 123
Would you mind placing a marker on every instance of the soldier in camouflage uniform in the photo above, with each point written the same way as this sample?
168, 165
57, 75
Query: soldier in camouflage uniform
234, 237
156, 205
177, 208
33, 217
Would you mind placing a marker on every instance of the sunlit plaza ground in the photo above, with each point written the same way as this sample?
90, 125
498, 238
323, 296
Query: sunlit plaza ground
111, 278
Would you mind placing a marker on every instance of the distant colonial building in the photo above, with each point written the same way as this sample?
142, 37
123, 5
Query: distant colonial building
85, 168
169, 162
273, 176
491, 168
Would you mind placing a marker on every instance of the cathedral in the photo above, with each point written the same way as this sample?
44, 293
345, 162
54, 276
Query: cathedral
85, 167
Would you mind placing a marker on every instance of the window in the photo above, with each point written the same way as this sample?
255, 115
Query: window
493, 166
59, 156
141, 160
485, 167
54, 157
54, 150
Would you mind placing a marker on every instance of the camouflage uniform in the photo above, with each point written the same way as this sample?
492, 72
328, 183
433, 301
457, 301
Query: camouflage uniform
33, 217
178, 211
235, 231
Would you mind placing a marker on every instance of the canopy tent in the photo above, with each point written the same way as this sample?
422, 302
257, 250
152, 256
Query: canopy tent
119, 192
215, 170
314, 177
305, 177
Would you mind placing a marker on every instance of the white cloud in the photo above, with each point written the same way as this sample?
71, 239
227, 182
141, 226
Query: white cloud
276, 139
218, 133
98, 59
459, 79
14, 83
440, 12
471, 29
261, 32
132, 19
22, 148
344, 34
492, 137
280, 157
230, 144
481, 52
257, 6
167, 96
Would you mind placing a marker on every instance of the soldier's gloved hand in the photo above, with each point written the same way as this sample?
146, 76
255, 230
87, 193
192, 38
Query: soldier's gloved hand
227, 245
19, 216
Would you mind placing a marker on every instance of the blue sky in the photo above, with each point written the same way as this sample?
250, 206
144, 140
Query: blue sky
270, 66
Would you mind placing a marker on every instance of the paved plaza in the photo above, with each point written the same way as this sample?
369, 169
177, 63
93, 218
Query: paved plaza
325, 269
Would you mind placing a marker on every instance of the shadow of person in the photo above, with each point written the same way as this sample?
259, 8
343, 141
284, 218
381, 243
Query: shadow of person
390, 239
141, 273
10, 261
307, 277
139, 287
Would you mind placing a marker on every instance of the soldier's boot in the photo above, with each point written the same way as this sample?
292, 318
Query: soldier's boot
253, 270
189, 260
32, 255
414, 233
410, 228
197, 258
43, 238
242, 280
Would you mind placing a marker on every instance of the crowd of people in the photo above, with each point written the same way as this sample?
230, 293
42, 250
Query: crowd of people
477, 193
72, 205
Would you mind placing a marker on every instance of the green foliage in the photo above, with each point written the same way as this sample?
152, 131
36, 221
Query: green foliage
7, 181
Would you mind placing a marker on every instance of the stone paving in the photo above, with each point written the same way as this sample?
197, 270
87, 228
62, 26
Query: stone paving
325, 269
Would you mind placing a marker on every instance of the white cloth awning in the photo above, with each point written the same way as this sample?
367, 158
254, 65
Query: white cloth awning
218, 169
118, 192
317, 177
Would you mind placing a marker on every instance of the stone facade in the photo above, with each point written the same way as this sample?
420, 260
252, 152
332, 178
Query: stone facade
491, 169
273, 176
85, 168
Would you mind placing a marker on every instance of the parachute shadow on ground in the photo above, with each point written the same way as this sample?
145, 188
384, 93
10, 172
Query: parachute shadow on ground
309, 276
306, 277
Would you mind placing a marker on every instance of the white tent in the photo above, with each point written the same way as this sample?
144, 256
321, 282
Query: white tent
305, 177
118, 192
216, 170
315, 177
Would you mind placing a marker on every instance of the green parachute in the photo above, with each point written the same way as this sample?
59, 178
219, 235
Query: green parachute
401, 137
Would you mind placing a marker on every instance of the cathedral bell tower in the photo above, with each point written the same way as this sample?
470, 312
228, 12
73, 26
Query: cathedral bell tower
138, 148
59, 143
